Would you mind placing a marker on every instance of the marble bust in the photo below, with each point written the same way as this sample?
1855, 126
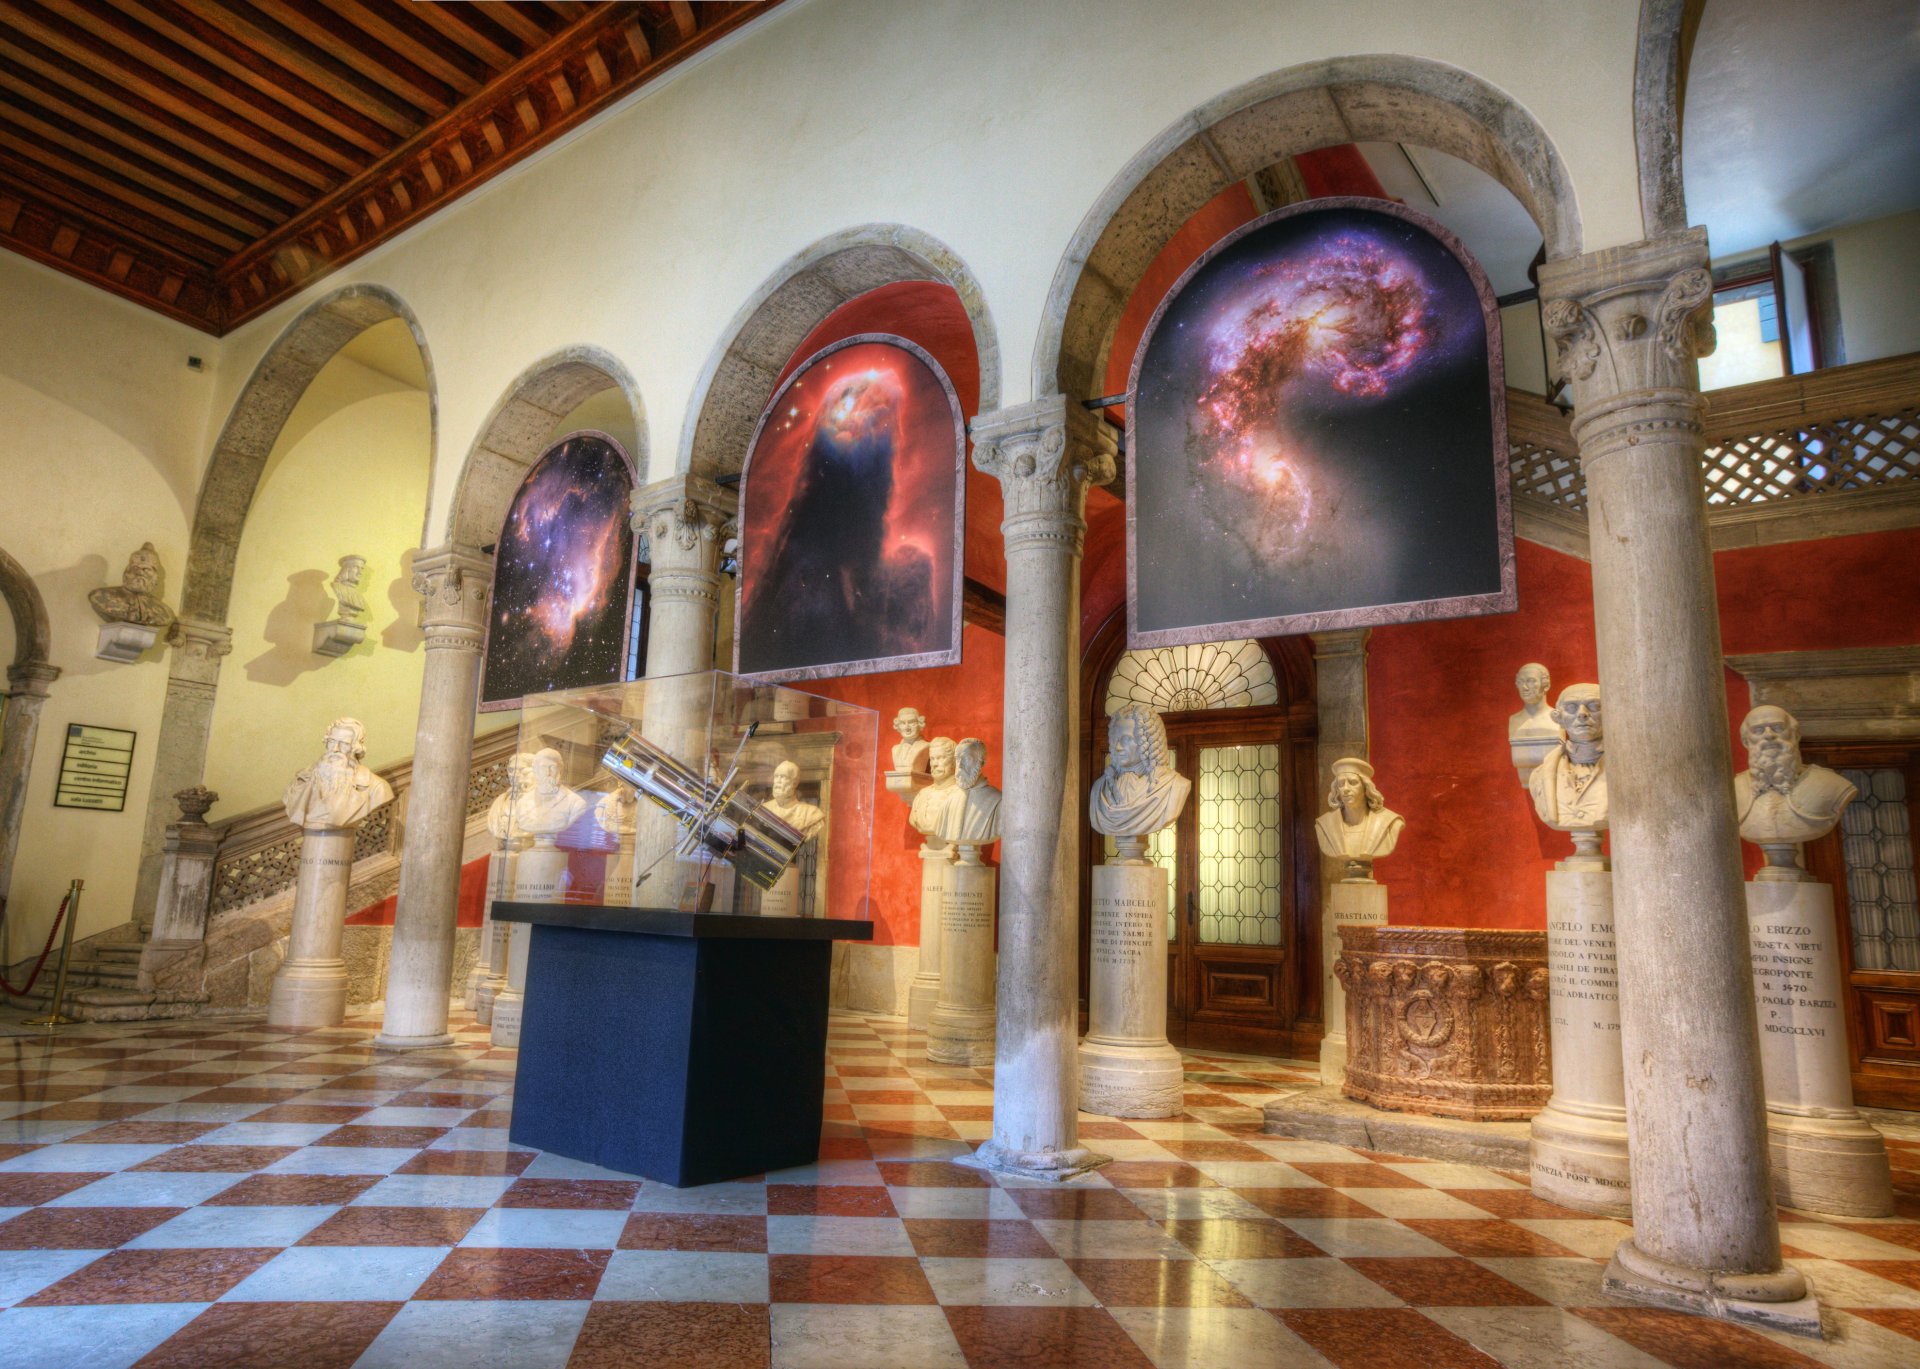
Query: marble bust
617, 813
911, 753
519, 781
547, 807
346, 588
1535, 718
137, 598
787, 805
1358, 827
1781, 800
1569, 786
927, 804
338, 790
1140, 791
971, 814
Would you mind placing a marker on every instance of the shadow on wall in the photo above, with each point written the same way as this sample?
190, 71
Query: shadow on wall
290, 631
67, 588
403, 633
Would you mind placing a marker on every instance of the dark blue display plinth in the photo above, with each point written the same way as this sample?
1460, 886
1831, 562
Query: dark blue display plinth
685, 1047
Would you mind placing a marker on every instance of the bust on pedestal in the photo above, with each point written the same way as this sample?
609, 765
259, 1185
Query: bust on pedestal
1532, 734
1127, 1067
935, 857
326, 801
960, 1028
1826, 1157
132, 615
344, 631
1357, 829
1579, 1144
909, 773
495, 937
784, 898
541, 813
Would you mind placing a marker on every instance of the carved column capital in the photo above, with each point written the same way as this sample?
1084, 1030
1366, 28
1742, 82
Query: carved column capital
455, 585
198, 646
1045, 454
686, 520
29, 679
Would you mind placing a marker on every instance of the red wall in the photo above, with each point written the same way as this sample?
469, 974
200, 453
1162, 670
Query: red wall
1439, 695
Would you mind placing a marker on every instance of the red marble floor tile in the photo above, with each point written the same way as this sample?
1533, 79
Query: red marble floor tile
1043, 1338
1899, 1271
496, 1117
1894, 1233
293, 1190
686, 1335
490, 1275
311, 1112
1491, 1239
1217, 1150
273, 1335
468, 1162
1340, 1175
887, 1097
853, 1147
248, 1093
1226, 1238
137, 1133
1156, 1283
439, 1100
874, 1071
933, 1174
1306, 1202
1207, 1099
387, 1137
1693, 1342
1444, 1282
973, 1112
1515, 1202
32, 1189
893, 1280
1156, 1174
45, 1093
836, 1112
215, 1159
1382, 1338
809, 1200
1077, 1204
603, 1194
187, 1275
928, 1130
695, 1231
1109, 1131
969, 1238
394, 1226
81, 1228
86, 1112
1905, 1320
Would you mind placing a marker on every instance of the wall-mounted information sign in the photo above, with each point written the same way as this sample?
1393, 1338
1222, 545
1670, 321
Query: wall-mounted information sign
94, 768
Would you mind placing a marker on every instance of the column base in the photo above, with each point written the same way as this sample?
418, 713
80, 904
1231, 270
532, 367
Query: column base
1780, 1301
384, 1042
1580, 1162
483, 997
508, 1008
960, 1036
1333, 1059
309, 993
1836, 1166
923, 995
1052, 1166
474, 981
1128, 1079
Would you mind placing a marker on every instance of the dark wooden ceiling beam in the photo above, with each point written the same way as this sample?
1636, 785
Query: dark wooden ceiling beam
466, 25
361, 50
184, 115
396, 26
104, 255
528, 23
63, 192
373, 98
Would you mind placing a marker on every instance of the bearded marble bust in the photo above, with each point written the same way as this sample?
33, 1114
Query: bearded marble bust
970, 815
338, 790
1140, 792
547, 808
787, 805
1357, 827
1781, 800
137, 598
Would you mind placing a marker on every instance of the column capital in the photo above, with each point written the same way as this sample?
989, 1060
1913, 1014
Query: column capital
198, 645
1630, 319
29, 679
1346, 641
685, 517
1044, 454
455, 584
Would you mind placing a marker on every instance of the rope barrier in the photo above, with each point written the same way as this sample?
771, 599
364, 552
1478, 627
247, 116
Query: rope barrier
45, 951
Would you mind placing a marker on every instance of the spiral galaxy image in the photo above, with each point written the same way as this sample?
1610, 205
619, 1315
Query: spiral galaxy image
563, 575
1311, 432
850, 510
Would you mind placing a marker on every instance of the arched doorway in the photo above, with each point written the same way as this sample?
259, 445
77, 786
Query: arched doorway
1242, 920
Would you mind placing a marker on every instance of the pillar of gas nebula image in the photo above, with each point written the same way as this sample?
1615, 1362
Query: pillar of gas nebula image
848, 509
1312, 427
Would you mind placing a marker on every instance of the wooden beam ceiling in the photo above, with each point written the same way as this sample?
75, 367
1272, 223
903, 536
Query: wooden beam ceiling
209, 158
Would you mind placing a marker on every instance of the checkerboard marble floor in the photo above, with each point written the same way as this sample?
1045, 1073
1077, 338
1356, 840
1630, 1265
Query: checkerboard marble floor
222, 1194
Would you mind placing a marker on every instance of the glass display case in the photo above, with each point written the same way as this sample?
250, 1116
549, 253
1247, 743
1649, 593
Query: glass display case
702, 793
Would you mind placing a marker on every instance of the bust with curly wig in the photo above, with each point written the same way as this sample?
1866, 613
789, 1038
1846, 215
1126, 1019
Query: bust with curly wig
1140, 792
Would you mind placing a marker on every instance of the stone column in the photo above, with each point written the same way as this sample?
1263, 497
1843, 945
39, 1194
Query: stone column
1628, 323
27, 692
456, 583
1045, 454
180, 750
1340, 701
924, 992
1127, 1067
310, 987
177, 943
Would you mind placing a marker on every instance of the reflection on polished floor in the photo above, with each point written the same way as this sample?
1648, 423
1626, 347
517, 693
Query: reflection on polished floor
221, 1194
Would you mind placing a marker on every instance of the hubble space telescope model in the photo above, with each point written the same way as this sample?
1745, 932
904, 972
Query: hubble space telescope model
718, 819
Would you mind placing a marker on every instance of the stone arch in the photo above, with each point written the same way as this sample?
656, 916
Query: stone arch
32, 635
1319, 104
28, 676
739, 377
254, 425
1659, 97
520, 429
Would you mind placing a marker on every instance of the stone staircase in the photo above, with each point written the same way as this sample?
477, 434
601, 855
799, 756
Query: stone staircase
100, 976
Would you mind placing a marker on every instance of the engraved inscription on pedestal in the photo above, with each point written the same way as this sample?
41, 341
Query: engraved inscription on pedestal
1127, 930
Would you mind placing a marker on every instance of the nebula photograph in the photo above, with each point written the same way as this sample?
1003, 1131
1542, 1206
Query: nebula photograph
850, 510
1316, 434
563, 576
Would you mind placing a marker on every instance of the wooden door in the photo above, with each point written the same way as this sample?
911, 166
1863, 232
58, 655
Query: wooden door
1869, 862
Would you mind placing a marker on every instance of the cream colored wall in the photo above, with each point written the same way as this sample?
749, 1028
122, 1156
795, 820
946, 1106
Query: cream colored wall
102, 435
1523, 348
1877, 268
349, 474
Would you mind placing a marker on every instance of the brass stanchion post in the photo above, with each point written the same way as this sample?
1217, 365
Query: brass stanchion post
54, 1017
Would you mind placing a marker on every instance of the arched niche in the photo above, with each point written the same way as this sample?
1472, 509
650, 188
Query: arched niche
1385, 98
761, 339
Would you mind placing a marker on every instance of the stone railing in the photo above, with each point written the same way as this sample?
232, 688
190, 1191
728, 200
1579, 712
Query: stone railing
1850, 431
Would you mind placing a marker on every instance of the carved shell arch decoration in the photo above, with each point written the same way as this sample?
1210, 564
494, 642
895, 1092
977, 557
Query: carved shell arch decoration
1177, 679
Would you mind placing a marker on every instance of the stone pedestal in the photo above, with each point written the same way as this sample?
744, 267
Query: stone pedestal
310, 987
490, 959
924, 992
1127, 1068
125, 642
960, 1029
338, 637
540, 876
27, 683
179, 933
783, 899
1350, 903
1579, 1157
906, 783
1826, 1157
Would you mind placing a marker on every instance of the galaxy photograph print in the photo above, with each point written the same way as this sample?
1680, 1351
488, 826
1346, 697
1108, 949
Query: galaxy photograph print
1316, 434
562, 576
851, 504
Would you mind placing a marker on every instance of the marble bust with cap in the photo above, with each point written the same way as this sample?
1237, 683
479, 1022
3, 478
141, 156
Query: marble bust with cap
1358, 827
